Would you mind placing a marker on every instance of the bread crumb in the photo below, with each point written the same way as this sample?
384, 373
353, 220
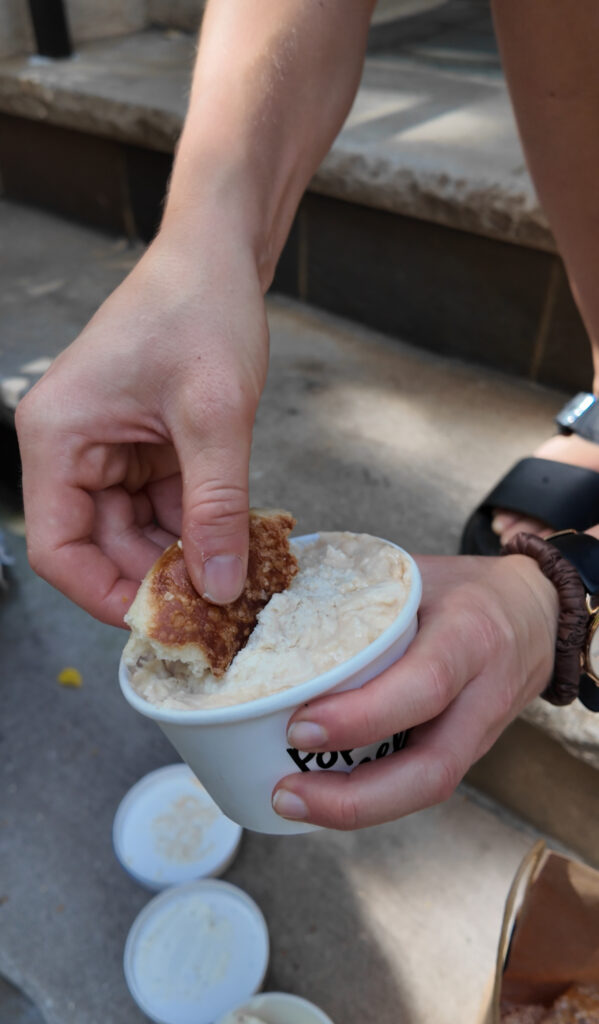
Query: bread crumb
70, 677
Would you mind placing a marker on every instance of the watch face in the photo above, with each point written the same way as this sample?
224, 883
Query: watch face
592, 652
575, 408
580, 416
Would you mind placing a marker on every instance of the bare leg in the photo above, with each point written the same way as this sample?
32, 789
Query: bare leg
549, 52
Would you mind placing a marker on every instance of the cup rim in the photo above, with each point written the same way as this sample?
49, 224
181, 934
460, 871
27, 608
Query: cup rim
260, 1000
294, 695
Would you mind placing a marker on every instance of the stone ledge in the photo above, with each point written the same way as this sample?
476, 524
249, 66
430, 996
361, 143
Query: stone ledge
438, 146
574, 728
132, 89
532, 775
431, 144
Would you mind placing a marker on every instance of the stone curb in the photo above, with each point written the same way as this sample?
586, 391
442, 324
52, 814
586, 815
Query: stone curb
419, 141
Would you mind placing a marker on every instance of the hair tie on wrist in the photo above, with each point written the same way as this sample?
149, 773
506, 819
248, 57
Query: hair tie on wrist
573, 619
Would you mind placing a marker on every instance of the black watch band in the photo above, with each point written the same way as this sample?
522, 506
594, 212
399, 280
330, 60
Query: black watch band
582, 551
580, 416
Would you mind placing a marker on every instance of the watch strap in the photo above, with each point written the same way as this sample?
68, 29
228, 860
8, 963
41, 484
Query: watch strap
588, 693
582, 551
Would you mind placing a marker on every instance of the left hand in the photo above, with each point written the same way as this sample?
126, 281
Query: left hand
484, 650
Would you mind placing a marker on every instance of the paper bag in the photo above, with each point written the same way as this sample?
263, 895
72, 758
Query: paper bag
550, 933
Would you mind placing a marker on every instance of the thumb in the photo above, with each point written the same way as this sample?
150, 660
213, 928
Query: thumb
215, 512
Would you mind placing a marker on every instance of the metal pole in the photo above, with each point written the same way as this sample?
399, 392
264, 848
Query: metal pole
51, 28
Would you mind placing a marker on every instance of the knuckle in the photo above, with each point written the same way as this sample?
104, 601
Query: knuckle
445, 775
504, 698
212, 406
346, 817
223, 506
489, 630
29, 413
442, 682
38, 559
363, 718
22, 415
42, 413
493, 633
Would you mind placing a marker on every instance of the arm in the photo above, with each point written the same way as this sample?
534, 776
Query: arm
272, 86
141, 430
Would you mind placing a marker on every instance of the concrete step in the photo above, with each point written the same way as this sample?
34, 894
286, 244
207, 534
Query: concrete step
55, 274
421, 141
379, 437
86, 20
421, 221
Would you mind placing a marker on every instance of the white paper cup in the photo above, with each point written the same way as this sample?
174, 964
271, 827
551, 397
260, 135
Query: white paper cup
240, 752
278, 1008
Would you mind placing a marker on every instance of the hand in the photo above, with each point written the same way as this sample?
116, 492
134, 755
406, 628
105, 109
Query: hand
484, 649
140, 432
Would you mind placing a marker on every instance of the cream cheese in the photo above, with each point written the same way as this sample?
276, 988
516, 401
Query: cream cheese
349, 589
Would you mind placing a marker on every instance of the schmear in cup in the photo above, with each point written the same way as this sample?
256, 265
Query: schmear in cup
239, 752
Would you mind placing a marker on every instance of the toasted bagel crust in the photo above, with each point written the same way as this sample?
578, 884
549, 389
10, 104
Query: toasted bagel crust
180, 625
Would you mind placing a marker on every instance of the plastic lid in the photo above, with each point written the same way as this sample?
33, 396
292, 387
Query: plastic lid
168, 830
195, 951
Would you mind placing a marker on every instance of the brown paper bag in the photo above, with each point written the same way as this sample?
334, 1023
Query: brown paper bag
550, 932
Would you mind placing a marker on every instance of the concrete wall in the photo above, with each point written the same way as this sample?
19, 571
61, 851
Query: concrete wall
185, 14
100, 19
15, 30
389, 10
182, 14
88, 19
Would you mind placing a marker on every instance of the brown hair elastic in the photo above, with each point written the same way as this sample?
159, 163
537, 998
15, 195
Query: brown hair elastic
573, 619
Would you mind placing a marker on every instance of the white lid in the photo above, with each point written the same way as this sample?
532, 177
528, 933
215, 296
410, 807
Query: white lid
168, 830
195, 951
276, 1008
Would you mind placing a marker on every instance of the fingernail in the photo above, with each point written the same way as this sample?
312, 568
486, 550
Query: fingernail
499, 523
289, 805
223, 578
306, 736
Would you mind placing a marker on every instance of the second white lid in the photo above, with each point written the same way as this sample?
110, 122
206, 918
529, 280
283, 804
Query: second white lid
195, 951
168, 830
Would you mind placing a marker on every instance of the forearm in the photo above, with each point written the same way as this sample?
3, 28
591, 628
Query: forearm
273, 83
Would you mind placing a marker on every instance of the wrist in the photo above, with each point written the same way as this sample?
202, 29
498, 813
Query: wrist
541, 590
213, 205
540, 609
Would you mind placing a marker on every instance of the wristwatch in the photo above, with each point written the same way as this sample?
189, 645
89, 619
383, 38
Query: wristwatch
580, 416
582, 551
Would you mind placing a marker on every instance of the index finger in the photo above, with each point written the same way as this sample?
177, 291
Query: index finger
60, 521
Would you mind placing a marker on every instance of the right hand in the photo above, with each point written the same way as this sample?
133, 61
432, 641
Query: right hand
485, 648
140, 432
